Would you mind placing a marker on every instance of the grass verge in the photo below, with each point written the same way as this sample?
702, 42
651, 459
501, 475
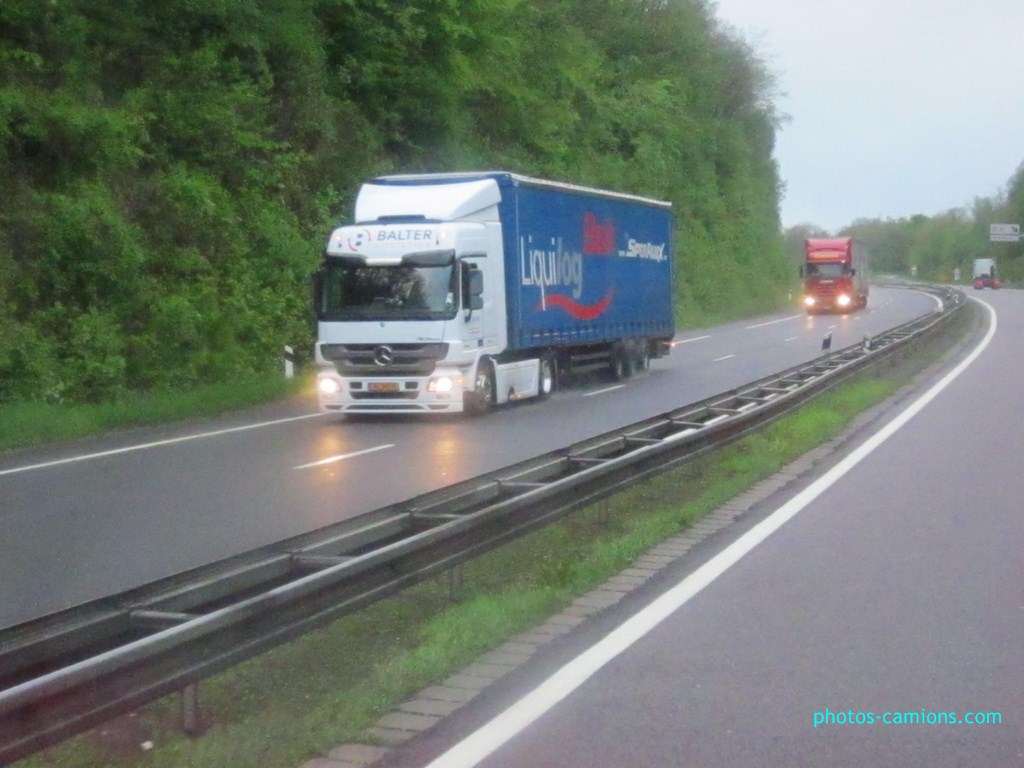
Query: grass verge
326, 688
26, 424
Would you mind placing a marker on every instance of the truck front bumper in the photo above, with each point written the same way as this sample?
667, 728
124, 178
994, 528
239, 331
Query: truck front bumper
441, 392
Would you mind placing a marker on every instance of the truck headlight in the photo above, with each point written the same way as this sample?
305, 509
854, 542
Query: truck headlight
441, 384
809, 301
843, 300
329, 386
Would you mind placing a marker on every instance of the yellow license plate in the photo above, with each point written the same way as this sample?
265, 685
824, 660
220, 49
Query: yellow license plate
383, 386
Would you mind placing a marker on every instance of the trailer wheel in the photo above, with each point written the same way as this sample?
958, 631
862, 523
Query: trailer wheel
547, 375
620, 362
483, 398
643, 355
563, 371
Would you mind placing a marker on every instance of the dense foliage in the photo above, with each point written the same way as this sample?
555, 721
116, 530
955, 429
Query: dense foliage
942, 246
169, 170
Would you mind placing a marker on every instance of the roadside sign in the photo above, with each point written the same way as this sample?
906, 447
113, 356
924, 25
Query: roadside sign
1004, 233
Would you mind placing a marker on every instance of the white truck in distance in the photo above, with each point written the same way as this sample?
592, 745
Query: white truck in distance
985, 274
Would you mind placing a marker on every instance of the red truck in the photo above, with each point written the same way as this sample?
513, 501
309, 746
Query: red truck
835, 273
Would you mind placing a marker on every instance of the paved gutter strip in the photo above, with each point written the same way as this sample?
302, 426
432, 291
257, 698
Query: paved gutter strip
448, 693
622, 584
404, 721
431, 707
470, 682
643, 573
514, 646
505, 657
357, 754
389, 737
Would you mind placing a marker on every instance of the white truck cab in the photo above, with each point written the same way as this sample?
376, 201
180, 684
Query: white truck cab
410, 303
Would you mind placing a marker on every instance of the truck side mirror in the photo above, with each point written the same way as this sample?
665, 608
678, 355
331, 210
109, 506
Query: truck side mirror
317, 289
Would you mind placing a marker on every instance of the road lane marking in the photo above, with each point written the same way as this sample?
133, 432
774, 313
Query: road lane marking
792, 338
720, 359
603, 391
155, 444
343, 456
772, 322
687, 341
491, 736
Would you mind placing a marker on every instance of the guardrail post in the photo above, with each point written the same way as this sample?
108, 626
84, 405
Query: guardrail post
289, 362
455, 583
190, 720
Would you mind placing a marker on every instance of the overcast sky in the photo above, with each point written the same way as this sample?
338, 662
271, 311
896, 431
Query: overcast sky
895, 107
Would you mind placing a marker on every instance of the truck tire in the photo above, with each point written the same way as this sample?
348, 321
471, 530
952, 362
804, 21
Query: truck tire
620, 362
482, 398
547, 375
643, 355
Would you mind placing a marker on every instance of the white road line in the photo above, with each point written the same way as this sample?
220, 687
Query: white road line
155, 444
720, 359
687, 341
487, 739
772, 322
792, 338
342, 457
603, 391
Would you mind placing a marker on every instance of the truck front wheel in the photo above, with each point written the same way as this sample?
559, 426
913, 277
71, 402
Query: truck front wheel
481, 400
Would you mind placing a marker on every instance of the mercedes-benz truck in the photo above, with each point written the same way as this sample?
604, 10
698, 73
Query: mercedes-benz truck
457, 292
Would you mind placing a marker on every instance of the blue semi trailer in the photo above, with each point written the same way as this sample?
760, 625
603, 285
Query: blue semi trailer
456, 292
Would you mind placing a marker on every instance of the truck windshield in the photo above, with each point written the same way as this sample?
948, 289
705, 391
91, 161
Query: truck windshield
826, 270
353, 291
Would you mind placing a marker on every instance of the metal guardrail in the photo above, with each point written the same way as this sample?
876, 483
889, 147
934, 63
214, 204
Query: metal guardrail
63, 674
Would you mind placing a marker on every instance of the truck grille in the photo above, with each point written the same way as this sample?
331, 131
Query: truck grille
384, 359
401, 395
